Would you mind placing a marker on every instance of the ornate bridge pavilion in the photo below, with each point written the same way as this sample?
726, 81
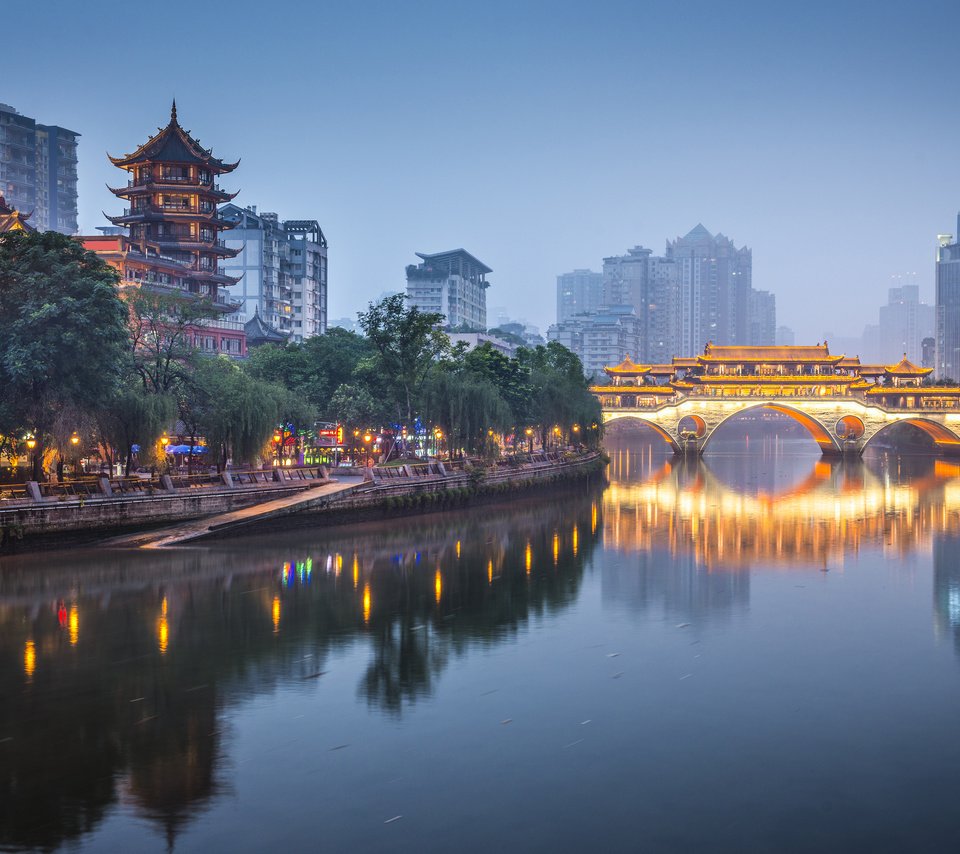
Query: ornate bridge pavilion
843, 403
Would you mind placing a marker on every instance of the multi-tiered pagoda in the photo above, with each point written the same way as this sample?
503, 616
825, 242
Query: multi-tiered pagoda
173, 245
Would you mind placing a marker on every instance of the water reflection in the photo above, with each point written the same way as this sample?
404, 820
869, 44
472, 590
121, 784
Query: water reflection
130, 709
815, 512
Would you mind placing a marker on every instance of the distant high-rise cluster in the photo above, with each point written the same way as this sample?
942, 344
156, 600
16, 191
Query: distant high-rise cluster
38, 171
652, 307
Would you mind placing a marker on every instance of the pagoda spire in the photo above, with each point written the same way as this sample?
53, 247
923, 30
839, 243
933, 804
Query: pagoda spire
173, 112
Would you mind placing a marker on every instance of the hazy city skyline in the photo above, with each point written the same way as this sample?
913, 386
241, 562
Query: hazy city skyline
543, 137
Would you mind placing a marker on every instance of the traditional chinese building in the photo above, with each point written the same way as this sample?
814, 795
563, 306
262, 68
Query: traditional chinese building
173, 243
12, 219
771, 372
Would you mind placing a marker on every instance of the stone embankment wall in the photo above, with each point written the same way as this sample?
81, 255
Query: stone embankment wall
388, 491
422, 488
55, 521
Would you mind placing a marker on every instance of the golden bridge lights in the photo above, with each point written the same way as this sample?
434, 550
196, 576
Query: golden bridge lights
575, 535
356, 572
366, 603
528, 557
556, 548
275, 614
29, 659
490, 571
593, 517
437, 585
73, 625
458, 549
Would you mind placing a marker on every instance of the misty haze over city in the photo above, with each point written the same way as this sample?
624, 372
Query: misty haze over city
543, 137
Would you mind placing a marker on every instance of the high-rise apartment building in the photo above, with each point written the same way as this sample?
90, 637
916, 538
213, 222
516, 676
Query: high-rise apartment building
648, 283
577, 292
714, 280
38, 170
283, 270
453, 284
599, 338
948, 306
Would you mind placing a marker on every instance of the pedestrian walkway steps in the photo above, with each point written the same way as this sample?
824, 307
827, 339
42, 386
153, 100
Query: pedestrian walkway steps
194, 529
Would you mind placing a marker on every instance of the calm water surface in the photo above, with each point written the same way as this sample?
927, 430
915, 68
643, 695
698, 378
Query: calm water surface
753, 653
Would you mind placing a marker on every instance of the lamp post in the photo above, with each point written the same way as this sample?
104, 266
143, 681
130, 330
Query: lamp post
437, 436
277, 440
75, 462
367, 439
529, 432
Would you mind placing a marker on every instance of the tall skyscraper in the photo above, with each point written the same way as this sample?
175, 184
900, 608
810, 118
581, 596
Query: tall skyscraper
577, 292
714, 280
38, 170
948, 306
762, 318
453, 284
284, 270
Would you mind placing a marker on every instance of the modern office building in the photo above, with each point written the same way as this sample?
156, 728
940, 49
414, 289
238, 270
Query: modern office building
282, 268
453, 284
948, 306
38, 170
714, 280
577, 292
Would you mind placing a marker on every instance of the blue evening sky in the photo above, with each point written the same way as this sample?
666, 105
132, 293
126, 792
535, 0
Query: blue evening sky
538, 136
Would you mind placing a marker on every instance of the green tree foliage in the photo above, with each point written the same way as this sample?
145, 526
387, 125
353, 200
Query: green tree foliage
63, 332
408, 343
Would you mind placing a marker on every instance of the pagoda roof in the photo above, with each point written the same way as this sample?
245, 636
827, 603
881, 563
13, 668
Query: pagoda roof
794, 354
173, 144
627, 366
849, 362
906, 368
685, 361
260, 332
13, 220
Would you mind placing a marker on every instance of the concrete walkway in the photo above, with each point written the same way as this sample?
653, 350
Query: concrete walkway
196, 528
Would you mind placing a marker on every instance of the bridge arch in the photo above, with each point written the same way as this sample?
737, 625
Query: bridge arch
944, 438
820, 434
643, 422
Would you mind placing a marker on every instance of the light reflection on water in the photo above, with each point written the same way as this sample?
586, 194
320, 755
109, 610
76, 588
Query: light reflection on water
765, 640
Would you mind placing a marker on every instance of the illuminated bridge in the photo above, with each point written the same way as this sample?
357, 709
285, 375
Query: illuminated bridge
845, 405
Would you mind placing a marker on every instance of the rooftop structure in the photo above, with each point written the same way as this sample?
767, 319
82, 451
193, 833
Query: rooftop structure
12, 219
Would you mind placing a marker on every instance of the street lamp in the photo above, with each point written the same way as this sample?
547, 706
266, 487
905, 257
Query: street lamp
75, 462
529, 432
277, 439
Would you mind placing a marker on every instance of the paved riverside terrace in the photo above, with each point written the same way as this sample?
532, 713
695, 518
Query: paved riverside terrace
843, 403
194, 529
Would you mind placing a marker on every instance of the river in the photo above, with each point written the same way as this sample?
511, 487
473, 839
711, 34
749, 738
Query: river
753, 652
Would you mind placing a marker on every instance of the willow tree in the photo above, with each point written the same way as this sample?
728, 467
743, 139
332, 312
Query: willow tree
238, 413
